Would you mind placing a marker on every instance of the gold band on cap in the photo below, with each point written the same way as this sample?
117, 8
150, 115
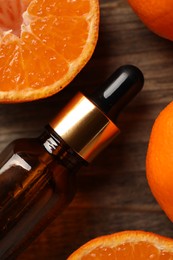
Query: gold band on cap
84, 127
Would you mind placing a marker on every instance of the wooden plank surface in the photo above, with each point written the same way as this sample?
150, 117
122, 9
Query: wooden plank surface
113, 192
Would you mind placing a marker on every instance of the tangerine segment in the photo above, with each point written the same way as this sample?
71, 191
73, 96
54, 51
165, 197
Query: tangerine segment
10, 14
56, 40
11, 70
45, 71
131, 245
130, 251
59, 8
67, 35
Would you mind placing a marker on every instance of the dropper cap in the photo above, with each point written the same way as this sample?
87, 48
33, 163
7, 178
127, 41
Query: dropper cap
83, 123
119, 89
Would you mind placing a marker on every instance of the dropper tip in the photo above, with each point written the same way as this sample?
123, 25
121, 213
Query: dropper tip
119, 89
134, 74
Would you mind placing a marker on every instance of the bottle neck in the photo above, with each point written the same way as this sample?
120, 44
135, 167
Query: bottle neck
57, 148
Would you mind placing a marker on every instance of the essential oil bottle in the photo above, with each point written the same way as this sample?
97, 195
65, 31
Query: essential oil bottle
37, 175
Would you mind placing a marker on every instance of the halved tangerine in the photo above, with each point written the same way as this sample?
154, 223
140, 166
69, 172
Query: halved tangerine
131, 245
43, 45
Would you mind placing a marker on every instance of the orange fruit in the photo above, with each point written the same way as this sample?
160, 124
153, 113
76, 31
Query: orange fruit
131, 245
159, 160
157, 15
43, 45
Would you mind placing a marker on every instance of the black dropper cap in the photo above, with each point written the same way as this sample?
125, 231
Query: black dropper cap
119, 89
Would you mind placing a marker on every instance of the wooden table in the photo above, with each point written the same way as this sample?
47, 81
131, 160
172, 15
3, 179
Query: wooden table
113, 193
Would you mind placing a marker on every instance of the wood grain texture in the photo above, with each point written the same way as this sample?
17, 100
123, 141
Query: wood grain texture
113, 192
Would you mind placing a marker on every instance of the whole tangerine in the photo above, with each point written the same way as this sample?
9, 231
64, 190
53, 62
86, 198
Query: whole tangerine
157, 15
159, 160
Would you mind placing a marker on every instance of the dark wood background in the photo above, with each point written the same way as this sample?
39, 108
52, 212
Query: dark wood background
113, 193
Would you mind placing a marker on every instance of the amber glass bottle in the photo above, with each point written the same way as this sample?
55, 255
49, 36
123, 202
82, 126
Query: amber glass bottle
37, 176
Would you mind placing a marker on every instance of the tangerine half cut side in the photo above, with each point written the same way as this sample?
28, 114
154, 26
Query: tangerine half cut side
43, 45
131, 245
